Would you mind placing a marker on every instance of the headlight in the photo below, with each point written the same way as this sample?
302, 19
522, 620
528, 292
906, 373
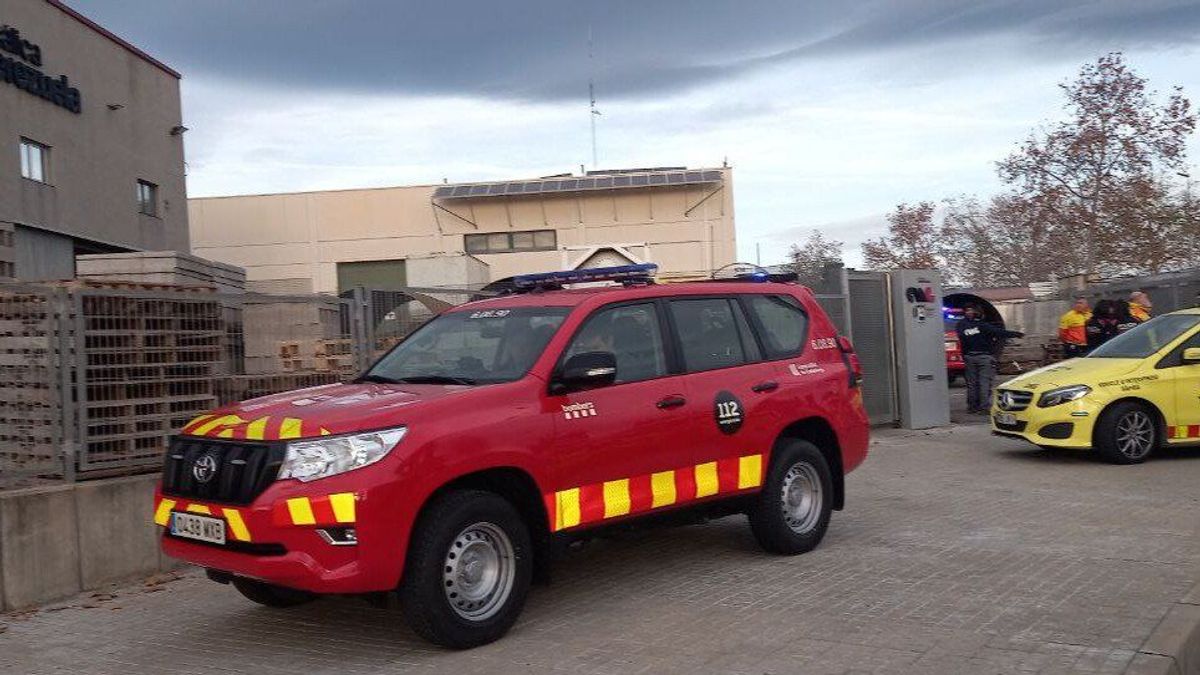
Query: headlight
1063, 395
323, 457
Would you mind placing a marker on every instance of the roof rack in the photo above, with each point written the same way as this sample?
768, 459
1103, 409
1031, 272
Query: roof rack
628, 275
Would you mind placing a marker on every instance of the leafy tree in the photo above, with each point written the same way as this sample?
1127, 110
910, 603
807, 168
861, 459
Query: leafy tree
809, 260
1099, 181
912, 241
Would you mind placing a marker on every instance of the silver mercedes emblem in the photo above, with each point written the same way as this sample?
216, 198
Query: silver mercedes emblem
204, 468
1006, 400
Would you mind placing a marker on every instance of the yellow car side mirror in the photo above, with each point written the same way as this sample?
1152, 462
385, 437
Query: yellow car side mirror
1191, 355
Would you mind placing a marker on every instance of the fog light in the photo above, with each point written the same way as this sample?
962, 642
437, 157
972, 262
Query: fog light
339, 536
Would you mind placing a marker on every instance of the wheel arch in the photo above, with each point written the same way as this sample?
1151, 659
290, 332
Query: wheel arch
521, 490
1160, 420
819, 432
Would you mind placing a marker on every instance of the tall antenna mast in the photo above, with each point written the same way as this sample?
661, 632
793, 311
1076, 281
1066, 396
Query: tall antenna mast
593, 112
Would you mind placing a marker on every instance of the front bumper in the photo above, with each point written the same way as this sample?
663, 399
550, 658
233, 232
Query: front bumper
278, 539
1068, 425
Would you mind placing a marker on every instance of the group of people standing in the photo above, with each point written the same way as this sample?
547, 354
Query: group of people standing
1081, 329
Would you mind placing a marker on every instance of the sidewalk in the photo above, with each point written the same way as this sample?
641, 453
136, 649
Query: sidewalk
958, 552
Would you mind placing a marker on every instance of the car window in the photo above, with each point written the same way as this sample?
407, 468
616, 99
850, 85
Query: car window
783, 323
632, 334
1147, 338
708, 333
483, 346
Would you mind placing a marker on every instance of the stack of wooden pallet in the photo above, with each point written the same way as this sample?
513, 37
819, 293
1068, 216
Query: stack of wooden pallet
146, 366
30, 393
290, 357
334, 356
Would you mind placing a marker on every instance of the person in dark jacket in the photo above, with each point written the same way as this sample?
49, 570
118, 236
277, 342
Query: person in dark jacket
1106, 323
980, 342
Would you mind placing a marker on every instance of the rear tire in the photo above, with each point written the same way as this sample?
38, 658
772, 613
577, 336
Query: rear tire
468, 572
1126, 433
793, 509
270, 595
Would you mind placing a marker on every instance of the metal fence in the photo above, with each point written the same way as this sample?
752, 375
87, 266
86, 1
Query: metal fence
95, 377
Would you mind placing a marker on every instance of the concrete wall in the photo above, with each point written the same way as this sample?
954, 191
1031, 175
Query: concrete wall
122, 134
305, 235
57, 541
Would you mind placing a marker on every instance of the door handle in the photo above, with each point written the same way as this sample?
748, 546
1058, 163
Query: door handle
671, 402
763, 387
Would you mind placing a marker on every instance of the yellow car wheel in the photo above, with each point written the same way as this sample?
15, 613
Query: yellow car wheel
1127, 433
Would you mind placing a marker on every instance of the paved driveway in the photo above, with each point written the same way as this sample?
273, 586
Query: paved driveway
958, 553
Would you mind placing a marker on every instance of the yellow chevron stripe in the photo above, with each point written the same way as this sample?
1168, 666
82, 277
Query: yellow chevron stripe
343, 507
616, 498
749, 471
662, 489
199, 508
567, 512
706, 479
301, 511
289, 428
223, 421
162, 515
255, 429
236, 524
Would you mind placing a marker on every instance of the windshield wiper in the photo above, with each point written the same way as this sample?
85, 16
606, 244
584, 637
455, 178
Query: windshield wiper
381, 379
435, 379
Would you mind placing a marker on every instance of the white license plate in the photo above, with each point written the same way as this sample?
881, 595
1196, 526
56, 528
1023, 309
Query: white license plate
1006, 418
200, 528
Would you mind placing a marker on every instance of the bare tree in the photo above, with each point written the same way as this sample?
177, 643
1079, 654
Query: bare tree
912, 241
809, 260
1096, 181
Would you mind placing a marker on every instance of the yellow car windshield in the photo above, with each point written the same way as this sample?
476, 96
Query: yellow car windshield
1147, 338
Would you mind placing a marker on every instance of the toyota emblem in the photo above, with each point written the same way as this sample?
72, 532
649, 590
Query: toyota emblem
204, 468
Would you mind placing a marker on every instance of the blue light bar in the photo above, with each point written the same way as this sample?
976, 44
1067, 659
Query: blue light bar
624, 273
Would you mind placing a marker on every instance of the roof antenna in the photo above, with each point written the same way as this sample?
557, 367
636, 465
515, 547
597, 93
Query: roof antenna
594, 113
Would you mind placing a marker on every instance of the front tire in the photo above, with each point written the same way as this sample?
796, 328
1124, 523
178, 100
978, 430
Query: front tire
469, 568
270, 595
794, 506
1126, 433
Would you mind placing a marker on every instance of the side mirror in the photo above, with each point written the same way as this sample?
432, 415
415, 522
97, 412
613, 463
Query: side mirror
1191, 355
586, 371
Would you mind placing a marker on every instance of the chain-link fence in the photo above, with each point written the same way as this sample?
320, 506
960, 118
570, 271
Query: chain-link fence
95, 376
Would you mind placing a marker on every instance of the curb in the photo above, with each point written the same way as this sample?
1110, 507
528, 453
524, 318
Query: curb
1173, 647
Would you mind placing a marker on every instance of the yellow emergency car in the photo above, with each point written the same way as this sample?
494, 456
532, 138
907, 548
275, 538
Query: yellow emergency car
1129, 397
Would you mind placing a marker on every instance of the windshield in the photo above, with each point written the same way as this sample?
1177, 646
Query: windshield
1147, 338
471, 347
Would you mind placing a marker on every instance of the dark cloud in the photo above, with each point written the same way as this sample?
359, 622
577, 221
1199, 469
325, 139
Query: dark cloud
537, 49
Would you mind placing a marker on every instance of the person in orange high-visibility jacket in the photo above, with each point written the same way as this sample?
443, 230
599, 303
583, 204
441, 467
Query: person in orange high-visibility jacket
1140, 306
1072, 328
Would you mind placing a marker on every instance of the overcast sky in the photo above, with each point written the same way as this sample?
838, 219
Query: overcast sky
830, 112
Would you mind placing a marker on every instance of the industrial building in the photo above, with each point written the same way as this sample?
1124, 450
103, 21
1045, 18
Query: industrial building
469, 234
92, 144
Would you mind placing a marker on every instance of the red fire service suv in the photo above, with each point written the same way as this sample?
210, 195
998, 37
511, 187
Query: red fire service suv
454, 466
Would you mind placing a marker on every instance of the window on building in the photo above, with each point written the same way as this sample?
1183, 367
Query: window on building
510, 242
35, 161
147, 198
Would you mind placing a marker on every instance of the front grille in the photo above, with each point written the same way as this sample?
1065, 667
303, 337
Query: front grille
1019, 425
1013, 400
243, 469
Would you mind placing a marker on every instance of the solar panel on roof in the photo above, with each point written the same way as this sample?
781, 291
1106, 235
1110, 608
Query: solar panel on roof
533, 186
443, 192
620, 181
462, 190
496, 189
693, 176
675, 178
478, 190
605, 182
513, 188
712, 175
658, 179
640, 180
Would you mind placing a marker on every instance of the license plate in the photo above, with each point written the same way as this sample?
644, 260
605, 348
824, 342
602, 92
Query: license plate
200, 528
1008, 419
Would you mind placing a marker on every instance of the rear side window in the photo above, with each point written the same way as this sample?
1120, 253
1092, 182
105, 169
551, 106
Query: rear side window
631, 333
712, 334
783, 323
